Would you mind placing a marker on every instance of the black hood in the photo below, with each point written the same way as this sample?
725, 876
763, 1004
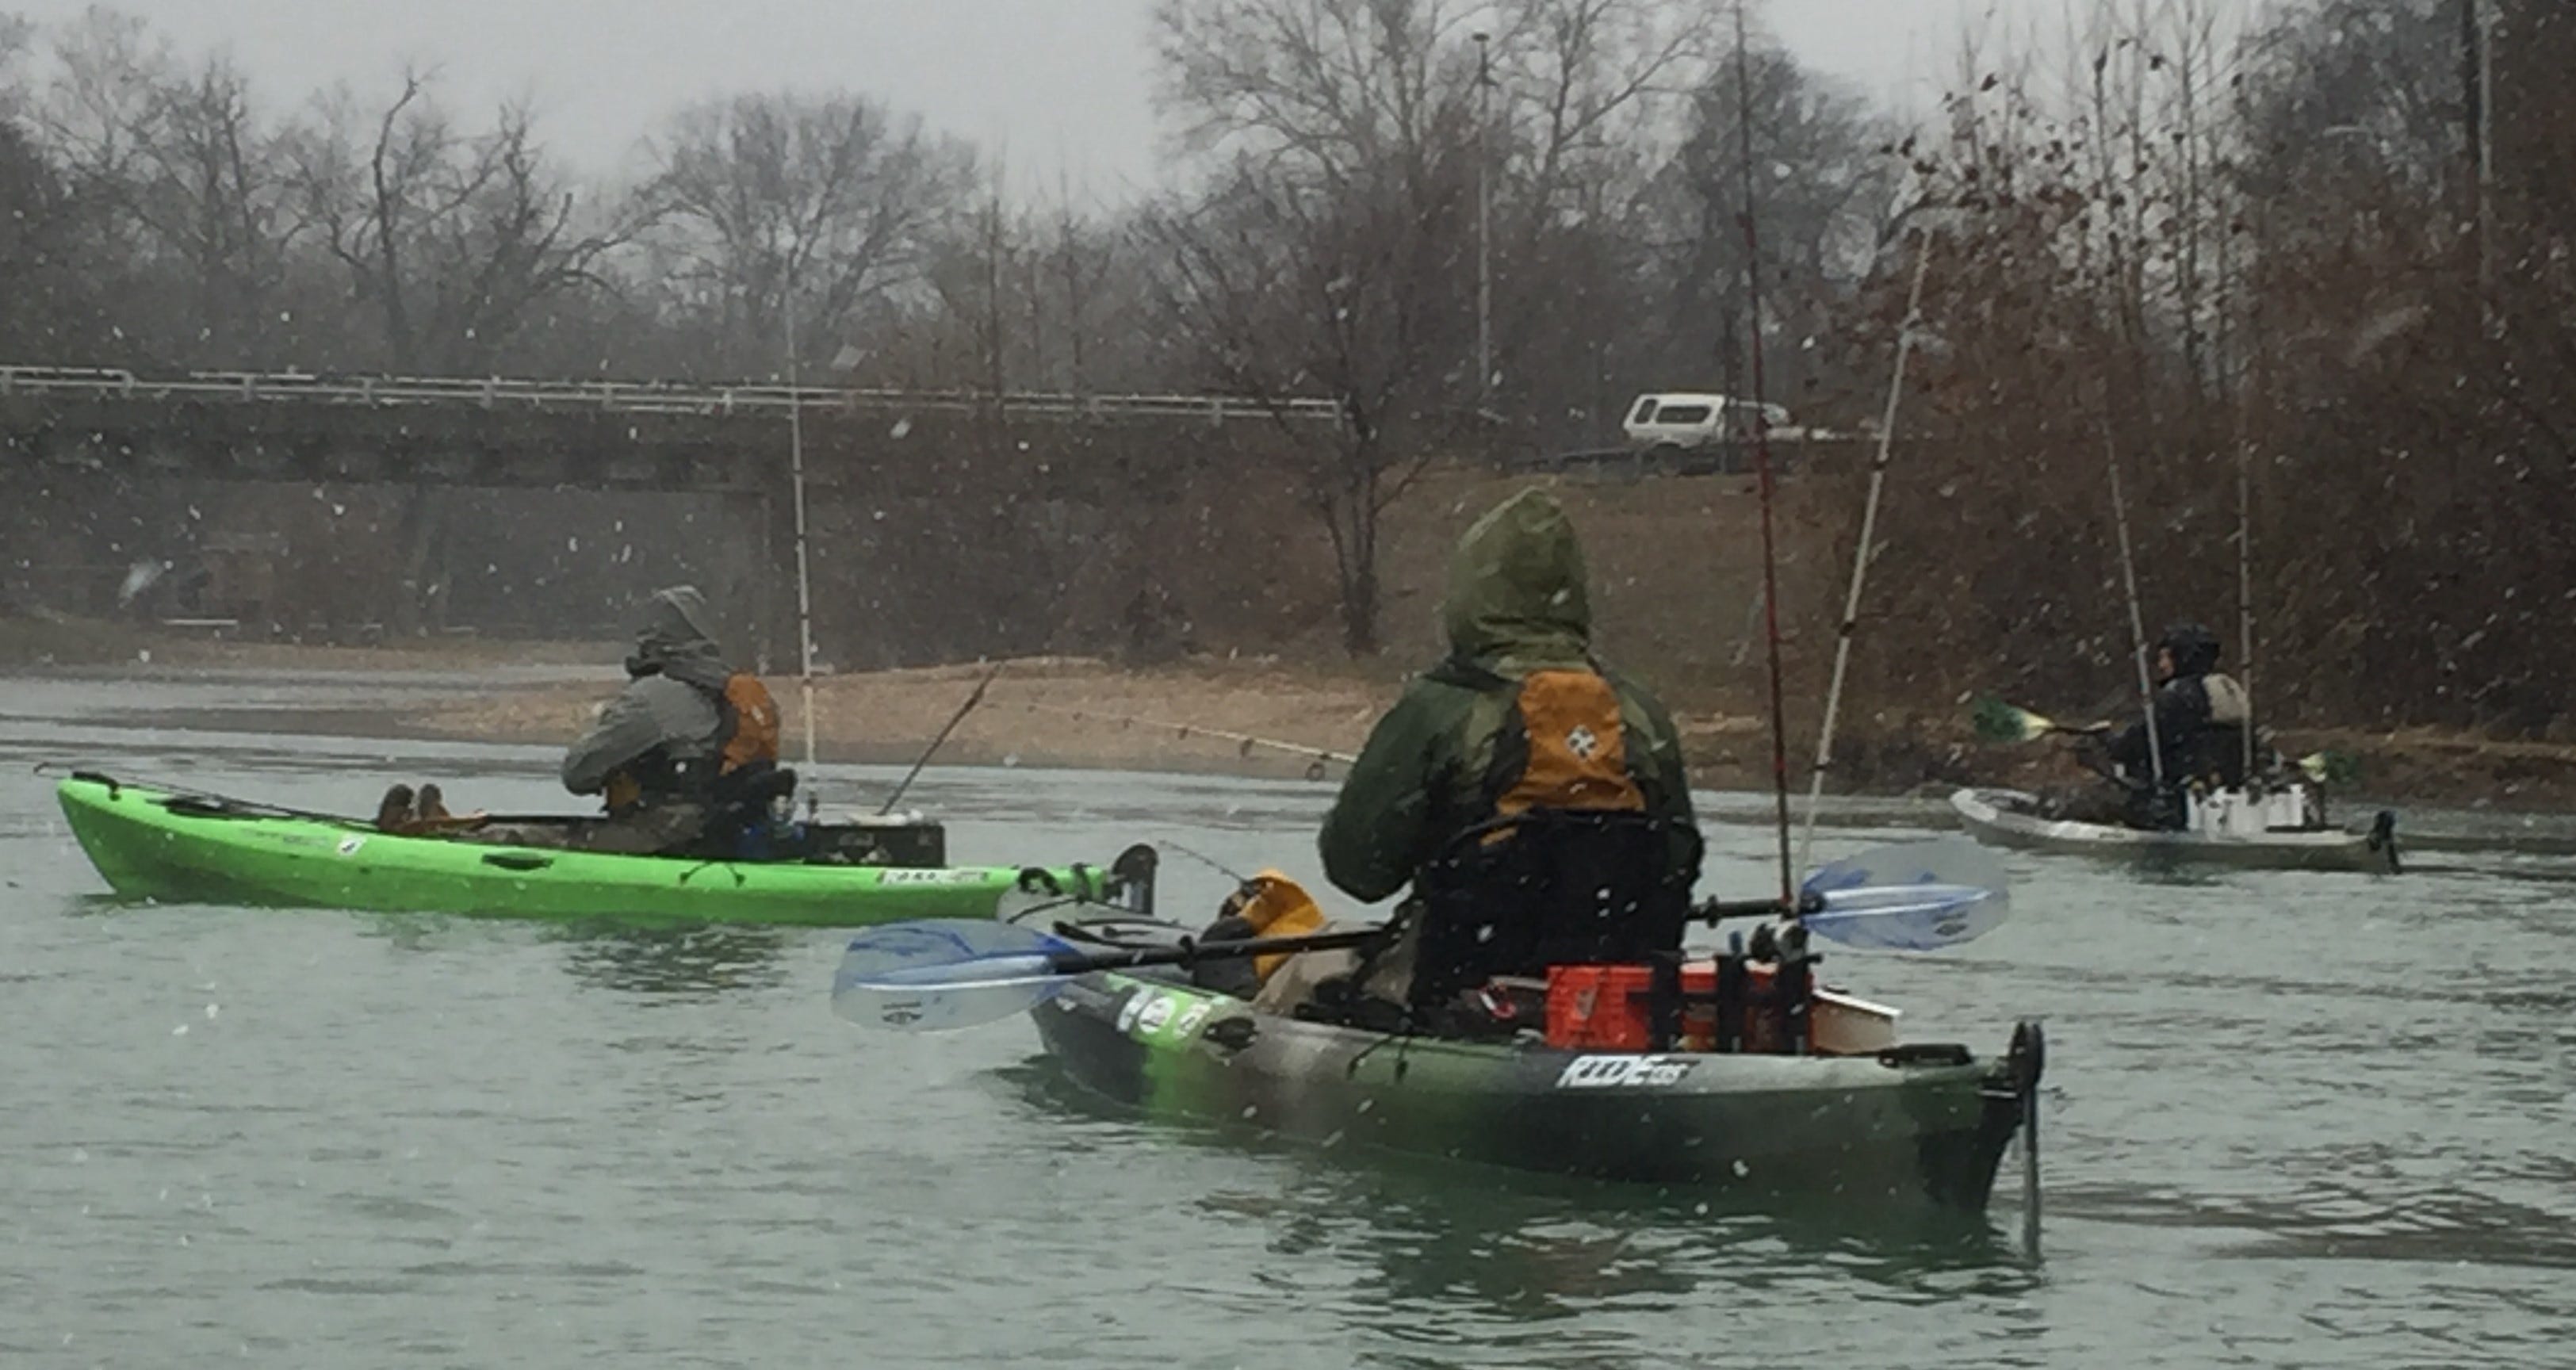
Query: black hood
2194, 648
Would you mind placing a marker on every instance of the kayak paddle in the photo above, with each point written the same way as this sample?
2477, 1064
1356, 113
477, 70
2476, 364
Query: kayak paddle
938, 973
1997, 721
1912, 896
2329, 768
943, 973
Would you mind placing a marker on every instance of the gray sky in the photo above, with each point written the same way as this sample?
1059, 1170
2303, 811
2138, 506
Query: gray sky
1060, 85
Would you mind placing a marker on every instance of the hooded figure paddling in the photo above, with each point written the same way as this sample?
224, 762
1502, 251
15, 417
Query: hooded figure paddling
1534, 801
2201, 718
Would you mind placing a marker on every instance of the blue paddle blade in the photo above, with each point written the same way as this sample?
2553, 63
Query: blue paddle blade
1915, 896
937, 974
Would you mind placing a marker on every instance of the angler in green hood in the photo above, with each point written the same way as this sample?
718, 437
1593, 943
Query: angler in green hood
1520, 716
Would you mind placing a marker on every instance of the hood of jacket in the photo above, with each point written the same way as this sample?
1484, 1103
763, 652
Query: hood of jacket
673, 639
1516, 596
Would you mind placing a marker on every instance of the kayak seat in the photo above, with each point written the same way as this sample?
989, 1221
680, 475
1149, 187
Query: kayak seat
1547, 887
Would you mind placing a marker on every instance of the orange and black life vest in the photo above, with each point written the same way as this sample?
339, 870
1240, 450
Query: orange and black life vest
1567, 866
746, 735
1562, 747
750, 732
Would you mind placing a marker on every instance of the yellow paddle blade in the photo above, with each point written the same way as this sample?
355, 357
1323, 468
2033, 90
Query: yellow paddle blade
2330, 768
1996, 721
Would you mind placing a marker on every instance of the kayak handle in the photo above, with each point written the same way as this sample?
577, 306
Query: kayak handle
517, 861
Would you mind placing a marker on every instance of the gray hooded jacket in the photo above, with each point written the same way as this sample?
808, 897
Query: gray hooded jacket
669, 705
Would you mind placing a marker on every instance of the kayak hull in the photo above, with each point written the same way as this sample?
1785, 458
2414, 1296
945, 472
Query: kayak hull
205, 851
2004, 818
1925, 1127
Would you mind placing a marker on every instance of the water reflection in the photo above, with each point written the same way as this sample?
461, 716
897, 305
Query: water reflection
1520, 1246
2339, 1220
680, 964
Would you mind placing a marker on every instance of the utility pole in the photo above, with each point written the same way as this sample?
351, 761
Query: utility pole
1484, 229
2477, 75
2486, 161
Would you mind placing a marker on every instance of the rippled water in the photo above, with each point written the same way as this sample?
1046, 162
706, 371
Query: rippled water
2313, 1119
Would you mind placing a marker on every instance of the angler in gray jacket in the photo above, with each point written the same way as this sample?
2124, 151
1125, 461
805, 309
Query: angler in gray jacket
683, 757
656, 749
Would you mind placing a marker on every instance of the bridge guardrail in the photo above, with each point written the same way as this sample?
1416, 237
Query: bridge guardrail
644, 397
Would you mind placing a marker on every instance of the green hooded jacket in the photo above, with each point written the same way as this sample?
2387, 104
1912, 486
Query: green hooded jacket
1516, 604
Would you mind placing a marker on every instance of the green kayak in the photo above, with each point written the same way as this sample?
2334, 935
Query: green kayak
1923, 1124
173, 846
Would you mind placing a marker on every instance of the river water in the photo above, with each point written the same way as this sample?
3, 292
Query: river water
2306, 1120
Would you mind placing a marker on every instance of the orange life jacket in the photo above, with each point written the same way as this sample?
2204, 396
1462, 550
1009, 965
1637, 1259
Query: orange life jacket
750, 723
747, 732
1577, 752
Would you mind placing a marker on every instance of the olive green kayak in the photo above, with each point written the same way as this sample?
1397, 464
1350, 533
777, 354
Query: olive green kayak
1925, 1125
161, 844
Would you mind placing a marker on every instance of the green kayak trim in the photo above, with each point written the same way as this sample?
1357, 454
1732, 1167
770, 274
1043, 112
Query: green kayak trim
1924, 1125
173, 847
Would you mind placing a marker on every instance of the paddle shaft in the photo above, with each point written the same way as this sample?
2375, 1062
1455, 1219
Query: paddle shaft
1719, 910
1189, 952
941, 740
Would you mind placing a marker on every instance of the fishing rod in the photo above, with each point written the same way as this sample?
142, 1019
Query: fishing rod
1861, 556
972, 699
1762, 456
1244, 742
796, 470
196, 801
2245, 592
1210, 862
2137, 621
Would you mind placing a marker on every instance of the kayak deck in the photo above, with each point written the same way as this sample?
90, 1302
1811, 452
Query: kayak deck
2006, 818
1926, 1124
159, 844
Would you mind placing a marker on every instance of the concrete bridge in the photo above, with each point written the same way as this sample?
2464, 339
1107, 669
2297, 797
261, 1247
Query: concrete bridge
731, 442
598, 435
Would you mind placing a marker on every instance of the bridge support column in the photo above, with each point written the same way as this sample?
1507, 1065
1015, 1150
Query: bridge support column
744, 580
779, 640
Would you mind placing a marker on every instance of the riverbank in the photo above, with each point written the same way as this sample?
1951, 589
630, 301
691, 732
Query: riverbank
61, 641
1247, 715
1269, 717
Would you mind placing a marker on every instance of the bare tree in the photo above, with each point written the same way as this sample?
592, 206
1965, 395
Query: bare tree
50, 309
831, 197
1822, 190
1587, 109
452, 240
209, 188
1330, 253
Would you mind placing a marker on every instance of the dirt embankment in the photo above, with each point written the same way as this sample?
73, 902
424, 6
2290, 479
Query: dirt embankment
1263, 717
1676, 580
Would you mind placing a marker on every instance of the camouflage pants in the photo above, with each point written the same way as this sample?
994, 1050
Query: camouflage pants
650, 830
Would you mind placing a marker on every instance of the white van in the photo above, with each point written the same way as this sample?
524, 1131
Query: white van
1686, 419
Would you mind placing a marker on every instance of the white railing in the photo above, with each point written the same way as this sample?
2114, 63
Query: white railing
629, 397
